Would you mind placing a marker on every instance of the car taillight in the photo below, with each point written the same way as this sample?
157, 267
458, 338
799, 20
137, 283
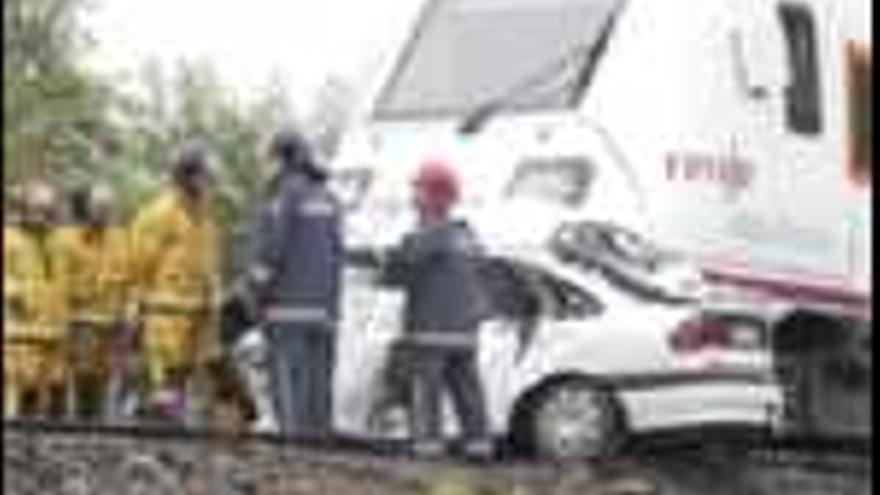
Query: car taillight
700, 333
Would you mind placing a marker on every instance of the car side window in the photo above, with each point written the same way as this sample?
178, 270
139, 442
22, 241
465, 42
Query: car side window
565, 181
520, 292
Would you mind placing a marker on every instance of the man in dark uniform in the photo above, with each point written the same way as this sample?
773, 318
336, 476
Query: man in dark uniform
294, 277
437, 267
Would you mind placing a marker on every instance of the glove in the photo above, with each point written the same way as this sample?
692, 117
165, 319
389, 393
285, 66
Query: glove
243, 298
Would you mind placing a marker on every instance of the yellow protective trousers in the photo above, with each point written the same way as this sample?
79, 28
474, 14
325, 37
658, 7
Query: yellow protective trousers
35, 311
169, 345
34, 374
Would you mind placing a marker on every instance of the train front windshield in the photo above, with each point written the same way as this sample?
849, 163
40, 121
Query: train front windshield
467, 52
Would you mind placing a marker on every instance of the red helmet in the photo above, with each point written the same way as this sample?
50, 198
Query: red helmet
438, 182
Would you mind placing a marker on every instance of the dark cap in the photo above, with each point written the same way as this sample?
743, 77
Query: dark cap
191, 158
289, 144
290, 147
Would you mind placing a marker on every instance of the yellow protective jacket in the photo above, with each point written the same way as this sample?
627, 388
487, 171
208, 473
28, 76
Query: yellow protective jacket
97, 271
33, 287
175, 258
11, 287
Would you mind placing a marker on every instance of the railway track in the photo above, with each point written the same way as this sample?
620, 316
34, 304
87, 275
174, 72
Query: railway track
74, 458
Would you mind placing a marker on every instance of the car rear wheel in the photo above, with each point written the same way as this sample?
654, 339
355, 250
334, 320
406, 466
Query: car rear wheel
576, 420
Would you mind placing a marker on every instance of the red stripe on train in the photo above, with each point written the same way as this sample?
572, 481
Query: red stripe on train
854, 301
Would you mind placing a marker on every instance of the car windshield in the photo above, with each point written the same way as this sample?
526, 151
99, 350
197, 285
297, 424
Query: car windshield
559, 181
465, 52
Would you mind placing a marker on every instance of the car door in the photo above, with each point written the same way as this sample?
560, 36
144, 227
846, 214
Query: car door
370, 322
527, 306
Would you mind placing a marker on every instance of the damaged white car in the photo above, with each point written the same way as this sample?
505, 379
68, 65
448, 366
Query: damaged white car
593, 338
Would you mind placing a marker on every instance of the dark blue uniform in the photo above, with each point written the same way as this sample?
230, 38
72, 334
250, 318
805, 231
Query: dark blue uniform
438, 268
298, 269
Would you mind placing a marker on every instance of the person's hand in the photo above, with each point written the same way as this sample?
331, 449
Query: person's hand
366, 257
244, 293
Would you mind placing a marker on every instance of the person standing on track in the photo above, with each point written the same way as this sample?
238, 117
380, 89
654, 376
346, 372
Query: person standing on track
295, 280
35, 312
95, 260
175, 248
437, 265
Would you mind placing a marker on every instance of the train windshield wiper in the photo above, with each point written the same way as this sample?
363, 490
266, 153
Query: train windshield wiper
474, 120
590, 53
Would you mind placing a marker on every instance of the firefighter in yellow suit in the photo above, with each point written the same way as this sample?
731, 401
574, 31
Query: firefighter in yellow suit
175, 253
95, 259
12, 240
34, 360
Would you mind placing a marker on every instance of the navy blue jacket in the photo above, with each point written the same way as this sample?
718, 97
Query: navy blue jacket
299, 249
438, 268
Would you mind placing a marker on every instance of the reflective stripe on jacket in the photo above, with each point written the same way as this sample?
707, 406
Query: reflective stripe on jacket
293, 314
457, 340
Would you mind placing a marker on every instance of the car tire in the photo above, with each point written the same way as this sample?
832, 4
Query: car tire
576, 420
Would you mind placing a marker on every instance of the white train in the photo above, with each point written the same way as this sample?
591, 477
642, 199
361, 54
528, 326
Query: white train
736, 133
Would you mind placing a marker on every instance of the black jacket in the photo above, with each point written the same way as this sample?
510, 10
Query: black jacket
299, 249
438, 268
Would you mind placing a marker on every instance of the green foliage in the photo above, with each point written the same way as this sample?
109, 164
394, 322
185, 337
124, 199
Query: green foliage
52, 109
196, 104
66, 124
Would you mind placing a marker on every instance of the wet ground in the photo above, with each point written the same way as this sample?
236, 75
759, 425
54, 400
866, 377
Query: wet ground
761, 472
38, 462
